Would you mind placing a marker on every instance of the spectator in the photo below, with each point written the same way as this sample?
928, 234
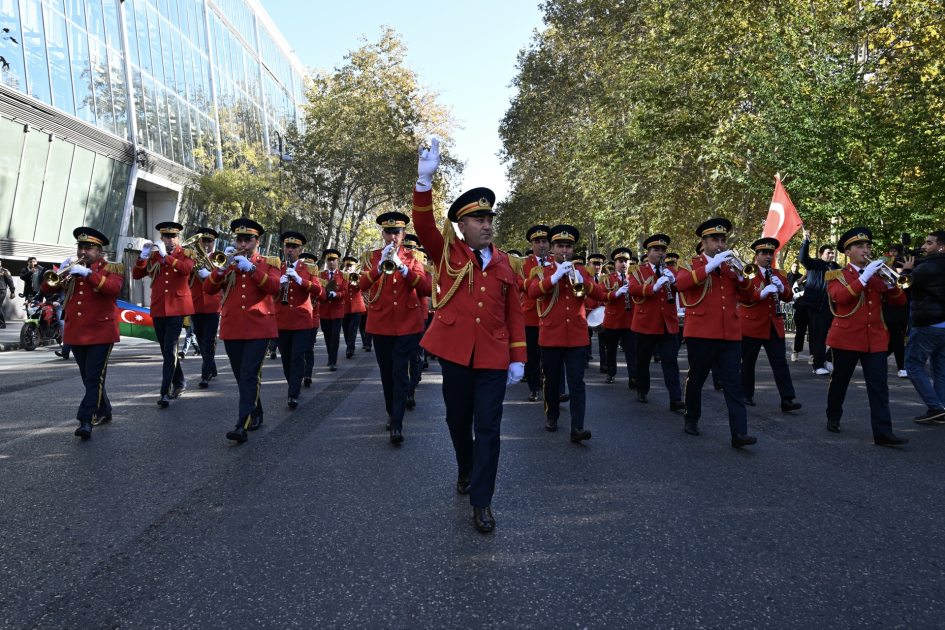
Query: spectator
896, 317
794, 275
32, 277
816, 301
927, 339
5, 278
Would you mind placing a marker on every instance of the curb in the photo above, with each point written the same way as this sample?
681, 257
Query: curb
7, 347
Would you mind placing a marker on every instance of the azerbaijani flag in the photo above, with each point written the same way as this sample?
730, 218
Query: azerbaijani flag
135, 321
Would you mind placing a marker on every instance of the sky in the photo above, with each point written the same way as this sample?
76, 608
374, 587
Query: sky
465, 50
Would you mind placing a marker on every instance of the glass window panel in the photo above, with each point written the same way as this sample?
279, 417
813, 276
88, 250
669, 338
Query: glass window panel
179, 66
195, 133
11, 148
200, 24
81, 74
164, 123
187, 141
173, 117
185, 11
75, 11
33, 42
101, 85
77, 197
139, 8
172, 12
112, 34
139, 214
119, 97
59, 61
98, 192
188, 51
168, 55
30, 186
131, 33
14, 75
154, 35
154, 118
54, 194
55, 4
116, 201
141, 109
162, 7
94, 19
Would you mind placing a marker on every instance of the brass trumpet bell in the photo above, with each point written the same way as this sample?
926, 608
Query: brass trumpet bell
55, 278
387, 265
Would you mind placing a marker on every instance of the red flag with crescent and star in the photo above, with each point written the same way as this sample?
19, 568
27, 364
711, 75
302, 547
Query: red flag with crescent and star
783, 220
135, 321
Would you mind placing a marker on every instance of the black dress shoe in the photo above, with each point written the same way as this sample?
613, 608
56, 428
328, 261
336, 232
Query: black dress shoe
332, 367
641, 398
483, 520
204, 383
387, 426
396, 437
551, 425
532, 396
306, 381
657, 359
750, 402
833, 426
272, 355
603, 370
164, 401
564, 398
889, 439
462, 483
677, 405
293, 402
632, 383
103, 420
84, 431
789, 404
181, 355
255, 424
238, 434
177, 391
580, 434
214, 375
426, 364
932, 416
691, 428
717, 386
348, 355
411, 403
610, 379
740, 439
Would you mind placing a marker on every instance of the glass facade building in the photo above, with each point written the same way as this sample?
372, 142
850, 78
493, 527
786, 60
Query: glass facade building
108, 108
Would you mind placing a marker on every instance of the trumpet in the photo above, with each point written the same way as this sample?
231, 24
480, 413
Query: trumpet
577, 288
387, 265
54, 279
221, 260
746, 270
891, 277
353, 278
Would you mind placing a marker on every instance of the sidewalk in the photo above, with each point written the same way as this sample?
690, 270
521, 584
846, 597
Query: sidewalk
10, 336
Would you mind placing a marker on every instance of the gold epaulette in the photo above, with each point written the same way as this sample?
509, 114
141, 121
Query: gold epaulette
312, 268
428, 268
115, 267
366, 258
534, 271
191, 253
833, 274
517, 264
274, 261
633, 268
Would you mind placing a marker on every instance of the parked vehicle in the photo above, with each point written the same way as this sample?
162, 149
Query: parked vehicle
41, 323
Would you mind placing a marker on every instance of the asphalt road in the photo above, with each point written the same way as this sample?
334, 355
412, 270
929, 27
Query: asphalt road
319, 522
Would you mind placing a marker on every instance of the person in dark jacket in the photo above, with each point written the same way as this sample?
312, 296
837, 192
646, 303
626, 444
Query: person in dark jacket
32, 277
896, 317
816, 302
795, 280
927, 339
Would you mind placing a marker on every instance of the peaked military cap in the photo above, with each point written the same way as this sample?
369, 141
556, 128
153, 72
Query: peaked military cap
514, 252
596, 258
477, 202
89, 235
293, 238
577, 260
767, 243
206, 232
169, 227
657, 240
308, 256
411, 241
350, 259
671, 257
393, 220
714, 227
621, 253
563, 233
537, 231
854, 236
247, 226
331, 254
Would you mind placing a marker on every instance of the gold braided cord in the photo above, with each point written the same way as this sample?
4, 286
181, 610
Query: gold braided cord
449, 237
859, 303
371, 299
554, 294
228, 283
705, 290
639, 278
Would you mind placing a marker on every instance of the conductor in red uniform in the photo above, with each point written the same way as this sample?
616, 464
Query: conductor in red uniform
169, 267
478, 331
206, 317
763, 325
537, 237
858, 333
248, 319
90, 289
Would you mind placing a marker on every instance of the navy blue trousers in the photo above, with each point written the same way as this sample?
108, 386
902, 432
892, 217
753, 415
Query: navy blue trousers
367, 339
416, 367
168, 330
728, 354
474, 416
246, 359
205, 327
350, 326
532, 359
775, 348
331, 329
601, 346
668, 344
877, 390
394, 353
309, 355
573, 360
626, 338
93, 363
292, 347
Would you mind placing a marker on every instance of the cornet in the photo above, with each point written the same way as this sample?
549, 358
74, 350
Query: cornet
387, 265
746, 270
577, 288
891, 277
54, 278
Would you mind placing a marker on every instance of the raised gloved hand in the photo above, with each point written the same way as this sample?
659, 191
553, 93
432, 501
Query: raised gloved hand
80, 270
516, 372
716, 261
160, 247
560, 272
229, 251
145, 250
292, 273
768, 291
660, 283
623, 289
243, 263
203, 273
429, 162
669, 276
870, 270
384, 253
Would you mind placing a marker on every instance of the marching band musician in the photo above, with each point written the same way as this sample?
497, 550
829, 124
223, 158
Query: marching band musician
354, 307
563, 327
713, 331
596, 263
294, 312
332, 305
311, 264
537, 237
859, 334
248, 283
412, 245
763, 325
478, 332
618, 319
169, 266
393, 282
715, 370
90, 306
655, 320
206, 317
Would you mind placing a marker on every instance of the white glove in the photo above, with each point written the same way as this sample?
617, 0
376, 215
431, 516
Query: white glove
243, 263
383, 257
292, 273
145, 250
80, 270
870, 271
768, 290
669, 276
560, 272
283, 279
161, 248
332, 295
405, 270
203, 273
622, 290
578, 276
228, 251
516, 372
776, 281
659, 283
65, 262
429, 162
716, 261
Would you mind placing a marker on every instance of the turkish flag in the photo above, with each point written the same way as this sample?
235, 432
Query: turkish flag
783, 220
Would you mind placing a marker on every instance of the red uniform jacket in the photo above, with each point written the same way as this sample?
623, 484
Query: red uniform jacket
92, 311
297, 314
333, 308
170, 284
710, 300
590, 303
758, 316
859, 325
394, 301
248, 312
528, 302
616, 315
652, 314
482, 321
203, 302
565, 326
354, 302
